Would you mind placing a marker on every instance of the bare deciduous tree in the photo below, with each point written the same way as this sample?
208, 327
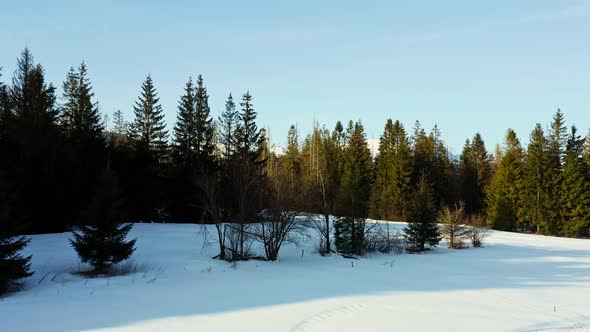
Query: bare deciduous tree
452, 222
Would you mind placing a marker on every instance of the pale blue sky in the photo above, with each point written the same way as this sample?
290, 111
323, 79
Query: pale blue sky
466, 65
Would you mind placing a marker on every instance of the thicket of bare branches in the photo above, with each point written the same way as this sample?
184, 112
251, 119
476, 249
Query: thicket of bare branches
383, 238
453, 229
478, 231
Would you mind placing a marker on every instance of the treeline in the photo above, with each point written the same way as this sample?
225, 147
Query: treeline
61, 162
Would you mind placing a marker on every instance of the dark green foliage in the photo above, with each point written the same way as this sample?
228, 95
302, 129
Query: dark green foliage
422, 229
393, 167
504, 201
554, 154
79, 115
536, 186
33, 148
13, 266
103, 243
228, 123
475, 170
575, 188
148, 129
81, 123
355, 187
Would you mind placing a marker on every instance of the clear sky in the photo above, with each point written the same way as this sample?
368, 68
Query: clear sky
465, 65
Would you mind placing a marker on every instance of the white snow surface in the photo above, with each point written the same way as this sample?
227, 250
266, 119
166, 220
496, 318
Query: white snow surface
517, 282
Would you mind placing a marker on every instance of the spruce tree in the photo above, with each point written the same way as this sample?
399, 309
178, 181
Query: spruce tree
475, 169
79, 115
228, 122
149, 129
204, 129
13, 266
536, 185
82, 124
504, 201
355, 189
422, 229
120, 126
575, 188
555, 154
104, 243
185, 127
390, 193
35, 157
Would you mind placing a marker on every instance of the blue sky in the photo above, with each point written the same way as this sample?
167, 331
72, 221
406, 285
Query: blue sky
465, 65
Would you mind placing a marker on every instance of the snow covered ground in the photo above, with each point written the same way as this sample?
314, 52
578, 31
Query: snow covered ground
517, 282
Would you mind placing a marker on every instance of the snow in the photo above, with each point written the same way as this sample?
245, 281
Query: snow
517, 282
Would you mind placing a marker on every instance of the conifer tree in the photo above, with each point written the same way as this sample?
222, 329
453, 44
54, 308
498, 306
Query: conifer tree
422, 229
13, 266
228, 122
475, 168
204, 130
104, 242
390, 193
79, 115
35, 155
120, 126
504, 201
575, 188
149, 129
355, 188
555, 154
185, 127
536, 185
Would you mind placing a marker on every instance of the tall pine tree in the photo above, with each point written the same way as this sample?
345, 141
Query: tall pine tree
504, 200
575, 188
148, 129
355, 189
393, 168
422, 229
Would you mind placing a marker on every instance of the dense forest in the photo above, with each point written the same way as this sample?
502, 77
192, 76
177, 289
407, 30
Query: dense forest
63, 166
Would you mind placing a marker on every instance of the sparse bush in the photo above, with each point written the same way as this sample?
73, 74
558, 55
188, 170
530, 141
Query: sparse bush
478, 231
453, 229
382, 238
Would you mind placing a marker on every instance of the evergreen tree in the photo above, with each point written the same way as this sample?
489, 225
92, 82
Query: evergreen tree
390, 193
185, 127
422, 229
536, 186
475, 168
355, 188
204, 129
149, 129
84, 132
34, 157
555, 154
79, 115
104, 243
13, 266
504, 201
120, 126
575, 188
228, 122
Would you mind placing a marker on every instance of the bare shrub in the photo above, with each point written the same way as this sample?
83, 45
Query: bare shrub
453, 229
383, 238
277, 228
478, 231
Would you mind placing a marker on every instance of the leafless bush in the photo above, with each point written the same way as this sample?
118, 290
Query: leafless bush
277, 228
382, 238
453, 229
478, 231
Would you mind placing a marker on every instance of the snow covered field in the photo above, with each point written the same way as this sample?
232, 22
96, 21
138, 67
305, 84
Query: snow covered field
516, 283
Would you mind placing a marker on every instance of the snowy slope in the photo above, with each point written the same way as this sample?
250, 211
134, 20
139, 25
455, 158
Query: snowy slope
516, 283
